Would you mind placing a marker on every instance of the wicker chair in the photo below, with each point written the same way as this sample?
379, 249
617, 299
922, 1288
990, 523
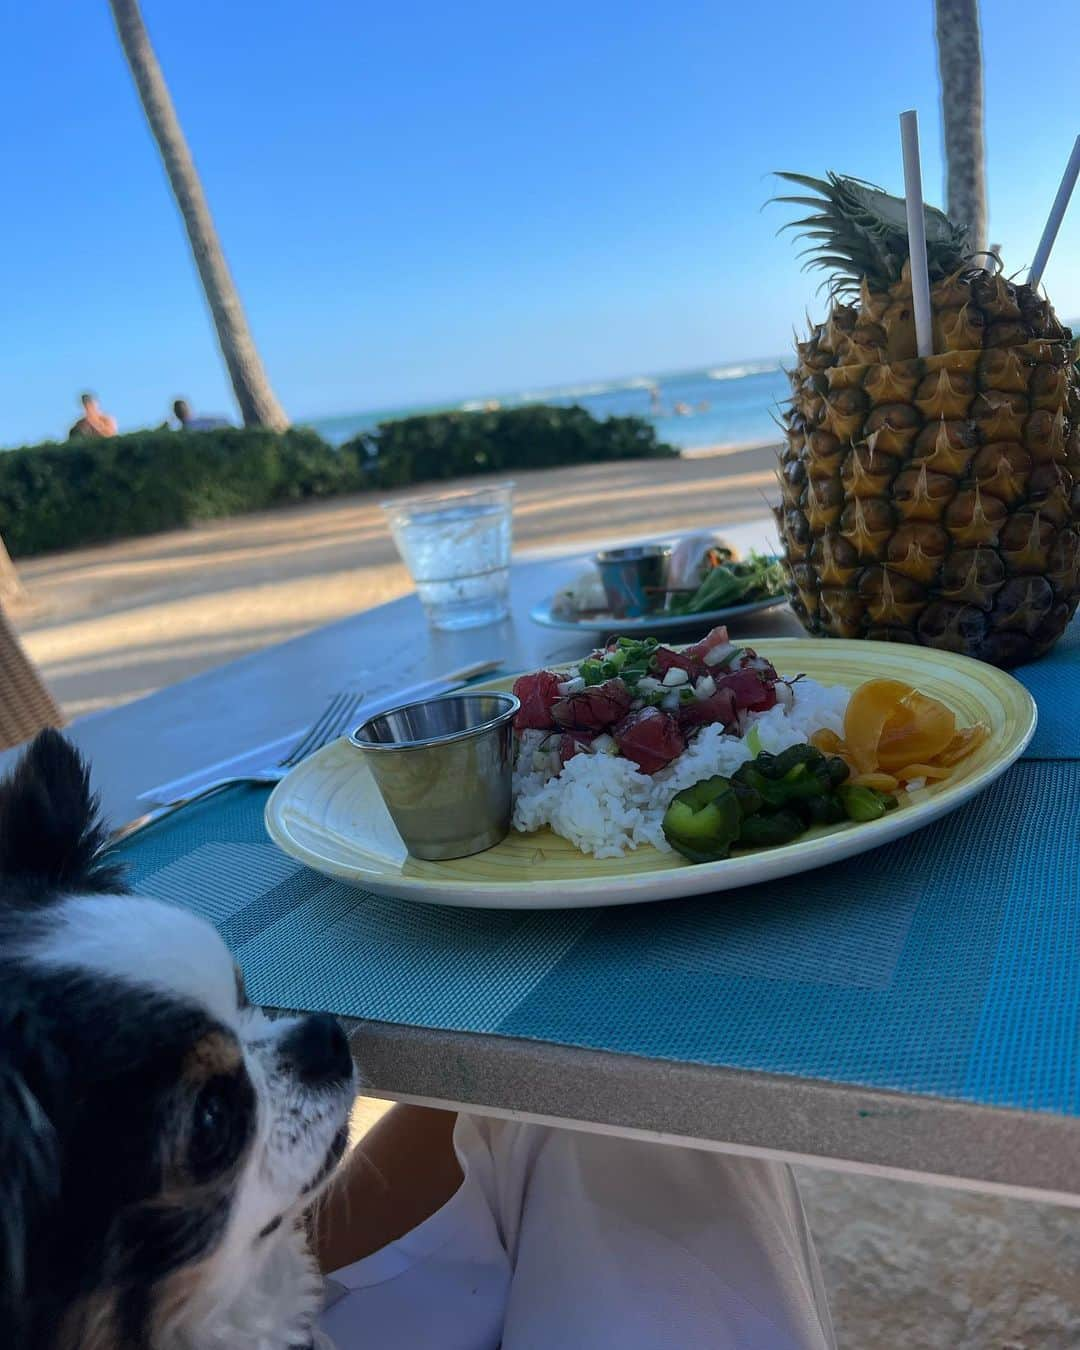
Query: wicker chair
25, 704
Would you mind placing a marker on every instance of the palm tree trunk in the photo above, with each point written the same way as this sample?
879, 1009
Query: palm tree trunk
258, 406
960, 65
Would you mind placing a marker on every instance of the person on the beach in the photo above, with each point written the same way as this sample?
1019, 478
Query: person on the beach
93, 422
459, 1232
182, 412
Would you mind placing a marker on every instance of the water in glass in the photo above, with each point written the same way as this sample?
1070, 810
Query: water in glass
458, 551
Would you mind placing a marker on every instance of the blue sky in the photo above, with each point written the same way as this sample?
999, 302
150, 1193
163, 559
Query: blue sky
424, 201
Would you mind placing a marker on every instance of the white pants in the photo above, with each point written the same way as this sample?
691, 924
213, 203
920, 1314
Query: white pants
563, 1240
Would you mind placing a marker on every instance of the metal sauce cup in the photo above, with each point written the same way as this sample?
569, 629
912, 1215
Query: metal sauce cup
444, 767
626, 572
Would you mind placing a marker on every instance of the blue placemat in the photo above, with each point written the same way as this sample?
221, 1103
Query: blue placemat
946, 963
1054, 683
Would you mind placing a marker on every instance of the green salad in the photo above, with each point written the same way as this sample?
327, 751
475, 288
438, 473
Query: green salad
732, 583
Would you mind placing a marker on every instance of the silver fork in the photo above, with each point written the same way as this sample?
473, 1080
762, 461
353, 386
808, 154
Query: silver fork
334, 721
332, 724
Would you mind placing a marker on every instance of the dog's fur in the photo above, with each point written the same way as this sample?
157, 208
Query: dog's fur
160, 1139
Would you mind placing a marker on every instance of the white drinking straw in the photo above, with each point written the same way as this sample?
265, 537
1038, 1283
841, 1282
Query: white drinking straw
1057, 214
916, 230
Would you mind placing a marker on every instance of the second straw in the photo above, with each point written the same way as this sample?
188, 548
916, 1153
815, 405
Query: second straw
916, 223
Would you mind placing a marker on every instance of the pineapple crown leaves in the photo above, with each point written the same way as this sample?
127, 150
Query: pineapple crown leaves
858, 230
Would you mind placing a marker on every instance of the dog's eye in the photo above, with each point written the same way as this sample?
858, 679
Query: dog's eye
220, 1123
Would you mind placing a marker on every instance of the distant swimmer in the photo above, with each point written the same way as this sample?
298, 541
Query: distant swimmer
704, 405
655, 405
93, 421
683, 409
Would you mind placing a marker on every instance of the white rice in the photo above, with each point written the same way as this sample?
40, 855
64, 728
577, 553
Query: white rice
604, 805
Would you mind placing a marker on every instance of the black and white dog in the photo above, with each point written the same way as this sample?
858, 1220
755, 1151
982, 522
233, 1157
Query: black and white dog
160, 1139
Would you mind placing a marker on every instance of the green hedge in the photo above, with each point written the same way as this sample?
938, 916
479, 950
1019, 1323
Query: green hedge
454, 444
83, 492
63, 495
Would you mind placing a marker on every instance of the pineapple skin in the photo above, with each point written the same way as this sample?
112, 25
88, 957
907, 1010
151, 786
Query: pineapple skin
936, 500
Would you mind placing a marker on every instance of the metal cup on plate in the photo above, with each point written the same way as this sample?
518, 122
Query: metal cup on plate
444, 768
628, 573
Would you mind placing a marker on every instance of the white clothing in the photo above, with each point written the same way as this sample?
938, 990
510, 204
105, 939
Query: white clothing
565, 1240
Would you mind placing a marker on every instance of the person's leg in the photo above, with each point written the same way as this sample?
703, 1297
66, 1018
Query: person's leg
403, 1171
616, 1242
409, 1246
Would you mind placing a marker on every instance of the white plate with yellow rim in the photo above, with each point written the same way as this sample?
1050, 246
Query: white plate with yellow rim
329, 815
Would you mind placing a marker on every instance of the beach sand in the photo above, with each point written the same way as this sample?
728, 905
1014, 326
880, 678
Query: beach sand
112, 623
907, 1265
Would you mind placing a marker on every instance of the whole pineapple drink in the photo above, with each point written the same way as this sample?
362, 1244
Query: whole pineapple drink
932, 500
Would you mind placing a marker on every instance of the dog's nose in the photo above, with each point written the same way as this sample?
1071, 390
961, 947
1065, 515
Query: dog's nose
317, 1051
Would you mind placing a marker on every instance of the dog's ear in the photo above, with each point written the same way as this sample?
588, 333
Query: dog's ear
50, 834
31, 1082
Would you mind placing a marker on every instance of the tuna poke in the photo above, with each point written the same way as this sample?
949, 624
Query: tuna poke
706, 748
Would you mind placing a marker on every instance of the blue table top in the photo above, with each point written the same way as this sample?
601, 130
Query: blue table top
947, 963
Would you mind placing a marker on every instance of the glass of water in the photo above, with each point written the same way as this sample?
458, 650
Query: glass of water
457, 548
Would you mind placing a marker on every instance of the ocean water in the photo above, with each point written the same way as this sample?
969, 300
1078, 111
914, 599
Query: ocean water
716, 405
